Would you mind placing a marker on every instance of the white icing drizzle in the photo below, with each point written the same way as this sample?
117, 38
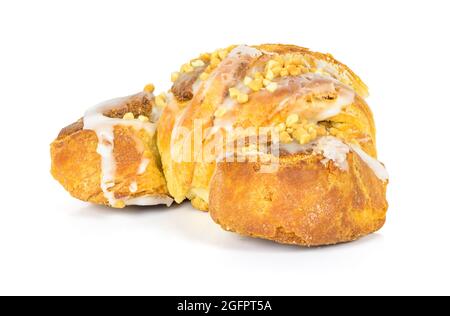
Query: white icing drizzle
143, 166
176, 143
105, 149
228, 103
332, 148
245, 50
133, 187
377, 167
313, 83
150, 200
220, 124
332, 70
196, 86
327, 68
335, 150
103, 126
232, 156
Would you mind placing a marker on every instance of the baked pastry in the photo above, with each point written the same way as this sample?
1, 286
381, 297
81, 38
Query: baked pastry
109, 157
328, 186
276, 141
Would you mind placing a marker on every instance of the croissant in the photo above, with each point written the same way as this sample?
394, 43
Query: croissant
275, 141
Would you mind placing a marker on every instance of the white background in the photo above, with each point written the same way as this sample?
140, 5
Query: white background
59, 57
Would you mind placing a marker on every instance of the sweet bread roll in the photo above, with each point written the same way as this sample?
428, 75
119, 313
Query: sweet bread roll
327, 186
276, 141
110, 157
305, 202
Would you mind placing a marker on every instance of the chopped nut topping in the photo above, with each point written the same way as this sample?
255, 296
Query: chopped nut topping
284, 72
280, 60
258, 75
205, 57
204, 76
301, 136
223, 53
277, 70
238, 95
287, 65
160, 100
119, 204
128, 116
272, 64
256, 85
266, 82
272, 87
234, 93
187, 68
197, 63
291, 120
220, 112
143, 118
304, 132
293, 70
281, 127
242, 98
296, 60
174, 77
270, 75
215, 61
337, 133
149, 88
285, 137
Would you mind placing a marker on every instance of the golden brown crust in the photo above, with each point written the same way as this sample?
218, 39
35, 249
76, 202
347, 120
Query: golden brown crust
304, 203
77, 165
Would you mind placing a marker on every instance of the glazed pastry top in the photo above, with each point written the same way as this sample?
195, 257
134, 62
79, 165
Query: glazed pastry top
308, 98
245, 86
313, 102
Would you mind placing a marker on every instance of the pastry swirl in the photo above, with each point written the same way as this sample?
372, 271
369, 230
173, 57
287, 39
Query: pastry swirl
317, 181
